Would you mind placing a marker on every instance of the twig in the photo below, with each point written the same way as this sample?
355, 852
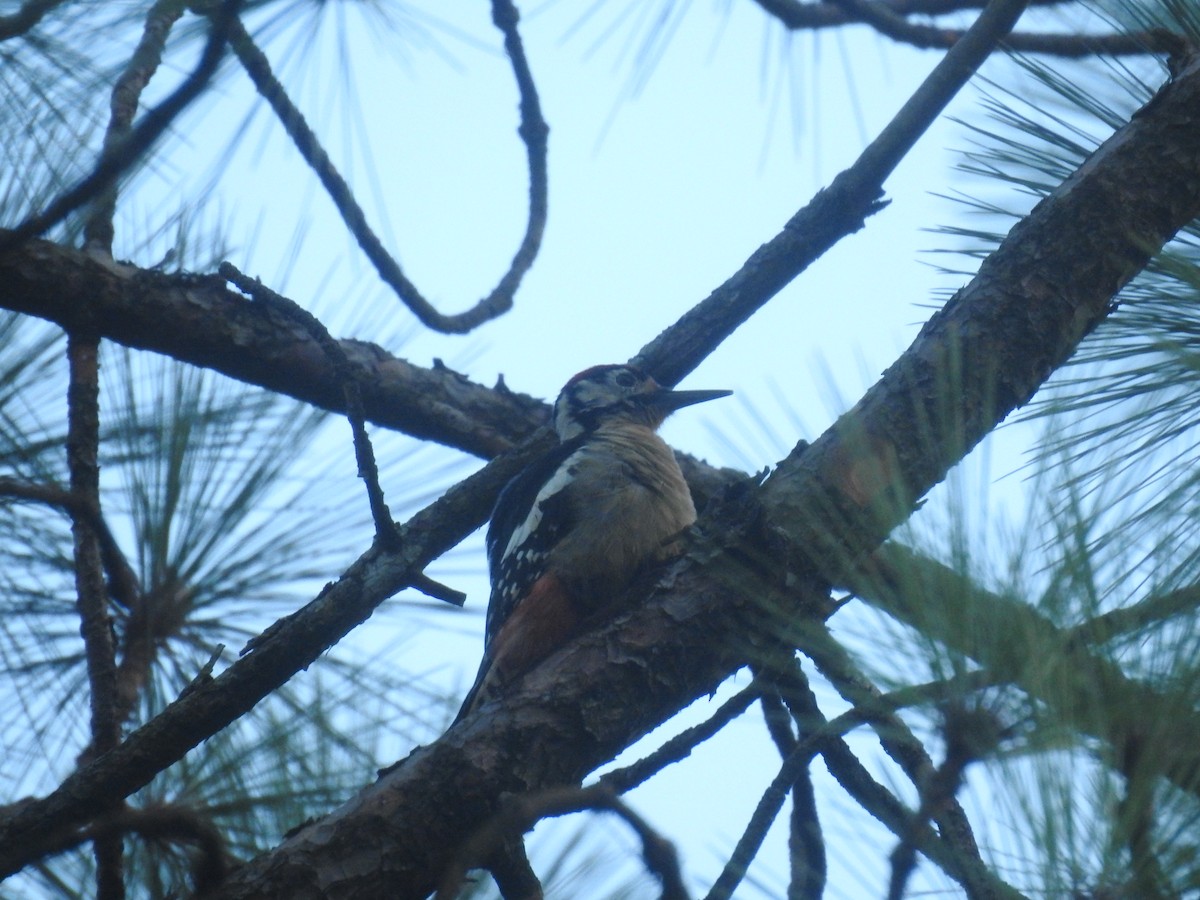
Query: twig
364, 454
765, 813
835, 211
970, 735
897, 739
521, 812
83, 428
122, 582
174, 824
111, 164
98, 229
347, 374
437, 590
533, 131
890, 19
823, 736
797, 758
625, 779
806, 844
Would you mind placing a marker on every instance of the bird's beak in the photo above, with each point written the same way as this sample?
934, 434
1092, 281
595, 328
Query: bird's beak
667, 401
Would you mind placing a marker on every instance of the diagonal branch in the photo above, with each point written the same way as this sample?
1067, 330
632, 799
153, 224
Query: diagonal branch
115, 160
835, 212
27, 17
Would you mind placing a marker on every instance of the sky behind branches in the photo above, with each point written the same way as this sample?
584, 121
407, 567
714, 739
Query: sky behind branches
667, 169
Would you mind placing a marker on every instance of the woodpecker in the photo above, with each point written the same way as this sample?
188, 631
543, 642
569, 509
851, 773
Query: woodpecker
572, 530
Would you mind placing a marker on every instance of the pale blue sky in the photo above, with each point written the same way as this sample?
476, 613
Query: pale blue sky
656, 196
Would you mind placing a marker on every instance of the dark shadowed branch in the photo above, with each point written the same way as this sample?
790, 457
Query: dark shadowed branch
168, 824
891, 18
25, 18
95, 623
520, 813
122, 582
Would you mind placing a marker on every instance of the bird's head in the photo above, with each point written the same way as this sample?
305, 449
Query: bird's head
611, 393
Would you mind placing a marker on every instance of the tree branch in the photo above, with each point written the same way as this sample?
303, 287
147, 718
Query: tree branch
122, 582
533, 131
98, 230
196, 319
889, 18
25, 18
95, 624
836, 211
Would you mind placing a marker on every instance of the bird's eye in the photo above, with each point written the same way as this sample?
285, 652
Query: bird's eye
626, 379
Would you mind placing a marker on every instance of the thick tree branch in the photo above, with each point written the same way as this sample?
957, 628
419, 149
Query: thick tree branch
976, 360
196, 319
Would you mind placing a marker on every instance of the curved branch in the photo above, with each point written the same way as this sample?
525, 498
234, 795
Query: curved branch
122, 582
533, 131
522, 812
